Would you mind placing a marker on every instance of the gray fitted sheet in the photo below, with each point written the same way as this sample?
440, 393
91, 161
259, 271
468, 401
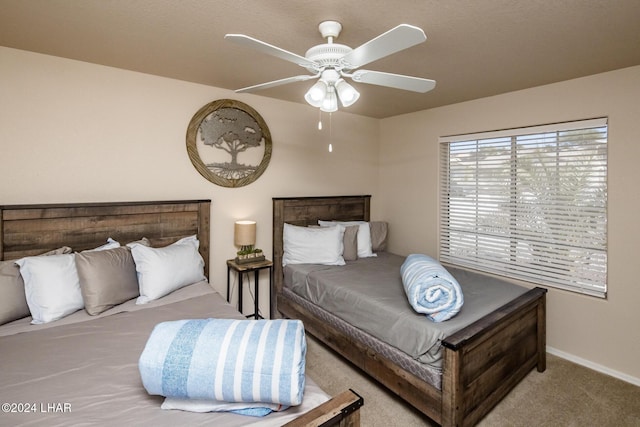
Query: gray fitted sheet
90, 367
368, 294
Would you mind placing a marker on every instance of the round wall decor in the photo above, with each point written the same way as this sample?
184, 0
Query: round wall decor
229, 143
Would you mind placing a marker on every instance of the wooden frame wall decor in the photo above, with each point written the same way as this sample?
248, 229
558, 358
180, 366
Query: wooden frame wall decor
221, 136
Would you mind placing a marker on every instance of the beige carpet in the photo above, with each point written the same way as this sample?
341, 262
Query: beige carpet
565, 394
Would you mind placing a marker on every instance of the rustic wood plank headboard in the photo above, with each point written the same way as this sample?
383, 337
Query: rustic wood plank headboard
27, 230
307, 211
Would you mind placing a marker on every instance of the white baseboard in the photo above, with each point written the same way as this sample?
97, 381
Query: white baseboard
594, 366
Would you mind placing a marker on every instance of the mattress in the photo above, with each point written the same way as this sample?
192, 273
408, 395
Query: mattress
84, 371
368, 294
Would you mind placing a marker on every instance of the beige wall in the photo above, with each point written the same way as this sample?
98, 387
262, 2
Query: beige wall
76, 132
601, 333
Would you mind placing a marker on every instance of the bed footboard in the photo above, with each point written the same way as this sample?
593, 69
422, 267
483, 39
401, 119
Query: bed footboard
342, 410
484, 361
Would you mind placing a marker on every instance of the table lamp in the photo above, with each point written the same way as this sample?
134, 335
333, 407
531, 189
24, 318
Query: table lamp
244, 236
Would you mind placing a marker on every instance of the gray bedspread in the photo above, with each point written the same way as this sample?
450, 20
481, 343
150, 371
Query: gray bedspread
368, 294
86, 372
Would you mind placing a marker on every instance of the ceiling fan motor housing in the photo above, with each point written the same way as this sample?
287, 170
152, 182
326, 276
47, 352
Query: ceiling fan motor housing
327, 55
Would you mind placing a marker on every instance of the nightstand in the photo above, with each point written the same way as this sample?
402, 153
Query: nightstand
247, 268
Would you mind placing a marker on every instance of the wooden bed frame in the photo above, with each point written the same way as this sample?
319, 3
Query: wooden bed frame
482, 362
27, 230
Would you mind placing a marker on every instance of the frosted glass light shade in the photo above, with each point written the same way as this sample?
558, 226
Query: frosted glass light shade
330, 102
244, 233
316, 94
348, 94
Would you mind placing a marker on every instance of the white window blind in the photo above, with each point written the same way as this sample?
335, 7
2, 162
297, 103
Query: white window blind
528, 203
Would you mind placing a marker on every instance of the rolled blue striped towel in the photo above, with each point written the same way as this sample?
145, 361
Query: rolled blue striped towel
430, 288
226, 360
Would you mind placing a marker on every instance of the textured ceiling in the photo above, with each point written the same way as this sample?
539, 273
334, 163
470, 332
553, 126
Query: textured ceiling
475, 48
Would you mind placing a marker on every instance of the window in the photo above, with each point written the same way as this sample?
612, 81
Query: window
528, 203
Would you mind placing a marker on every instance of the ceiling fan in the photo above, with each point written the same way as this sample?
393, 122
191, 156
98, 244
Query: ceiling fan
331, 63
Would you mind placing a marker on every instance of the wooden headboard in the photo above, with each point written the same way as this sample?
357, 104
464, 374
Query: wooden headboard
27, 230
306, 211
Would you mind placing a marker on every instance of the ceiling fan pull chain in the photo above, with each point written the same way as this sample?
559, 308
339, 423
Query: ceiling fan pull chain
330, 132
330, 128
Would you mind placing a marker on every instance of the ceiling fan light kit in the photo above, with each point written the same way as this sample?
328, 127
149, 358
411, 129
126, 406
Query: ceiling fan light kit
332, 63
323, 93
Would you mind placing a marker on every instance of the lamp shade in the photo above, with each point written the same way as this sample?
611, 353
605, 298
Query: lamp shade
348, 94
244, 233
330, 102
315, 95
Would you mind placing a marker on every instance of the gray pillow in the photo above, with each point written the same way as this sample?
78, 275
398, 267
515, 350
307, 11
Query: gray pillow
350, 240
13, 302
107, 278
378, 235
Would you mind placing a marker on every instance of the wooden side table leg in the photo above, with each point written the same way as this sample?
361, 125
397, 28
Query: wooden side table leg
228, 284
256, 290
240, 292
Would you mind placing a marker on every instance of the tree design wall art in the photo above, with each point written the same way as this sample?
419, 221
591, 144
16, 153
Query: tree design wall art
229, 143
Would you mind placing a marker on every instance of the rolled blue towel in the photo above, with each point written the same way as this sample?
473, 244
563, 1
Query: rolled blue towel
226, 360
430, 288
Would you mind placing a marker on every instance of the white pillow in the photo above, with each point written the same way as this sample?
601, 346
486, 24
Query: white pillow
365, 249
52, 287
163, 270
313, 245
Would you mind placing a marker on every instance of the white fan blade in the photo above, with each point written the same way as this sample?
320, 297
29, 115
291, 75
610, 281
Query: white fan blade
271, 50
398, 81
277, 83
396, 39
